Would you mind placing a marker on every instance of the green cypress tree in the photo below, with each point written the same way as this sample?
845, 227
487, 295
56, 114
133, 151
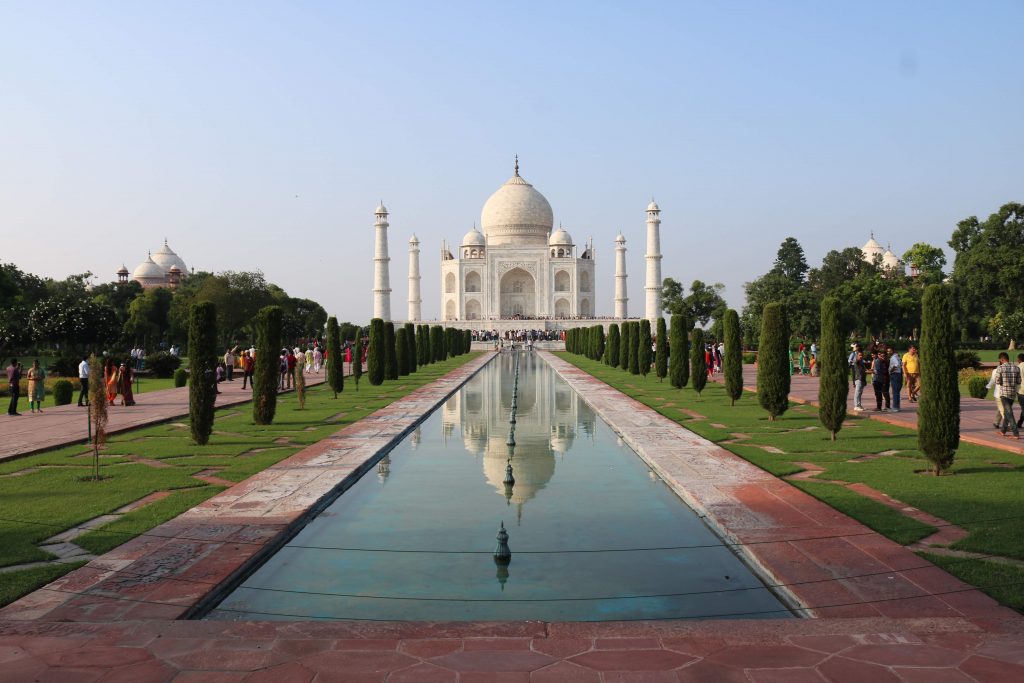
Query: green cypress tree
643, 347
698, 365
357, 358
679, 362
202, 361
410, 342
773, 361
468, 340
661, 351
402, 351
376, 353
938, 412
265, 374
634, 348
599, 334
335, 361
390, 353
732, 359
423, 345
437, 343
624, 345
833, 368
613, 345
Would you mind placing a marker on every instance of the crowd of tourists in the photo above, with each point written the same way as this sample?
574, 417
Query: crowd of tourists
117, 378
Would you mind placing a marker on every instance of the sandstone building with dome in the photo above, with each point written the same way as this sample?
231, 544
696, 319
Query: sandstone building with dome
518, 267
162, 268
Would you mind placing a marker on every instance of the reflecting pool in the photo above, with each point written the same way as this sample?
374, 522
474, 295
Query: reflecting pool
594, 533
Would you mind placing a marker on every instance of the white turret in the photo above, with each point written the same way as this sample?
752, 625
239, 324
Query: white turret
414, 279
653, 287
381, 281
621, 298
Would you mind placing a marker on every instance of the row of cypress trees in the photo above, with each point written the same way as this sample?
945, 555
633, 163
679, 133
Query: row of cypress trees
398, 353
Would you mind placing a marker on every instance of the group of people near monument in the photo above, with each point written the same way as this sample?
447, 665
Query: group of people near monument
888, 370
1007, 387
36, 376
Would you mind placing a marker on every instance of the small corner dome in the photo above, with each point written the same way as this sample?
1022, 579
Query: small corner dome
123, 270
413, 239
474, 238
381, 208
620, 239
148, 270
890, 260
652, 206
559, 238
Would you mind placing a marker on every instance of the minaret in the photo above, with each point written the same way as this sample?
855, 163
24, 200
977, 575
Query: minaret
653, 288
414, 279
621, 299
381, 281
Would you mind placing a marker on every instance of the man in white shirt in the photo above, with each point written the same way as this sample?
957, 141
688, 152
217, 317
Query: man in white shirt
83, 379
995, 394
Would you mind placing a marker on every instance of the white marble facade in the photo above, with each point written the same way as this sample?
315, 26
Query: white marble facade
517, 267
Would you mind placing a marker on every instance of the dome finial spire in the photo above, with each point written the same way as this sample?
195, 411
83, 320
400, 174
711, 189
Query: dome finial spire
517, 166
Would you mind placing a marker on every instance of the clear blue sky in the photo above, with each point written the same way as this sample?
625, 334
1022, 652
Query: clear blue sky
262, 135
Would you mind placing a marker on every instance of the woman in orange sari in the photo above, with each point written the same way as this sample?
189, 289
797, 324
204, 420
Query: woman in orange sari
110, 380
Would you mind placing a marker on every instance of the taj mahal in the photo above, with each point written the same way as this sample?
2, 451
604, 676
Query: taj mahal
518, 267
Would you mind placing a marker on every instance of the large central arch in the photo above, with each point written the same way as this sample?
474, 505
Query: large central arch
518, 294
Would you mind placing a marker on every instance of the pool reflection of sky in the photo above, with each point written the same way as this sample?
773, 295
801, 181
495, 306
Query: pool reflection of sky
414, 539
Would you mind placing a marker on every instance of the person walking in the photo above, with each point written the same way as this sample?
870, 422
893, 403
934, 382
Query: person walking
14, 386
1008, 379
880, 380
895, 377
229, 365
996, 394
912, 372
859, 368
1020, 392
36, 386
248, 366
83, 381
110, 380
318, 359
125, 375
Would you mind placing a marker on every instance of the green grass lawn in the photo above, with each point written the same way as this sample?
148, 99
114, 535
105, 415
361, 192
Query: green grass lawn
45, 494
982, 492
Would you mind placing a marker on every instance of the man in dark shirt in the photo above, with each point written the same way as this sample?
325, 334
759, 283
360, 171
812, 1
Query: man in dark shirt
14, 384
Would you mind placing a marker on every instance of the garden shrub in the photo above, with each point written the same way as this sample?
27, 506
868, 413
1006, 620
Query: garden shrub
180, 377
977, 386
161, 364
63, 390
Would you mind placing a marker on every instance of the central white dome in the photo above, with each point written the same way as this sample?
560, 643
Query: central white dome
517, 214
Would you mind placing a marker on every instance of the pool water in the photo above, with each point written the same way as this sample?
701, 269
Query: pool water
594, 533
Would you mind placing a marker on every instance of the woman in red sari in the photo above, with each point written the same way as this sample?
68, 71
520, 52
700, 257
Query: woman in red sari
125, 375
110, 380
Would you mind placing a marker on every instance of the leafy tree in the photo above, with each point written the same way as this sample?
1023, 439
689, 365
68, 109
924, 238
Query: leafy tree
773, 361
661, 351
390, 352
376, 358
988, 270
148, 316
335, 361
265, 374
613, 345
643, 348
410, 344
698, 364
790, 261
72, 322
938, 427
927, 261
701, 305
679, 366
357, 359
732, 358
402, 351
833, 367
1009, 326
202, 361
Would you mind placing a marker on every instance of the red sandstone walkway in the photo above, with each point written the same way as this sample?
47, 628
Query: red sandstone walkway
976, 415
795, 651
64, 425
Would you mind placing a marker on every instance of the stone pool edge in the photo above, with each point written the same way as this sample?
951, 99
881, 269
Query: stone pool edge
822, 562
188, 564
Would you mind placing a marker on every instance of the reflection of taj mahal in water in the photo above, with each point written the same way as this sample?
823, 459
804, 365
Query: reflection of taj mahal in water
550, 417
519, 267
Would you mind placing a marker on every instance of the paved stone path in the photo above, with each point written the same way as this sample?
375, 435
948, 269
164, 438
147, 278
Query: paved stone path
976, 415
795, 651
174, 569
65, 425
826, 563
